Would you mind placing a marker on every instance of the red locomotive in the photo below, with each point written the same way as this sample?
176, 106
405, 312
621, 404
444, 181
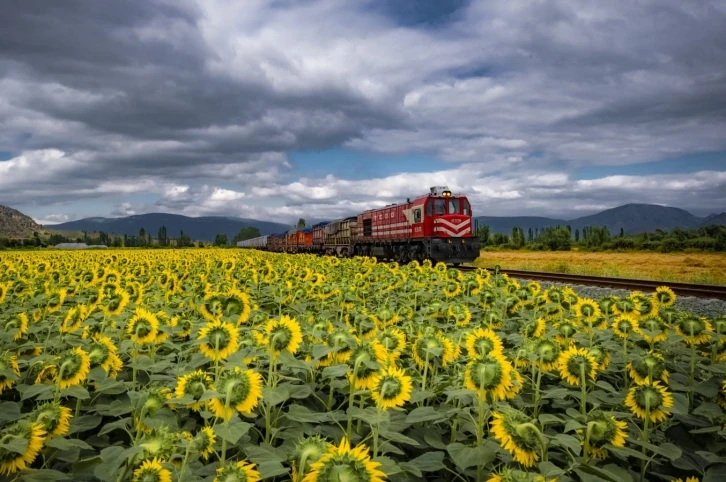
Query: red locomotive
437, 226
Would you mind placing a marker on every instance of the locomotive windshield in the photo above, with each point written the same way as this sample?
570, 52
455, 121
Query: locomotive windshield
439, 206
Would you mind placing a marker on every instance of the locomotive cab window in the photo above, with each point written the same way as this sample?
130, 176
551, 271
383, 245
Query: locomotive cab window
454, 206
466, 208
429, 209
417, 215
440, 206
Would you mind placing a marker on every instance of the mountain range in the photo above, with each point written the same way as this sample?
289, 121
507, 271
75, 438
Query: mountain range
632, 218
199, 228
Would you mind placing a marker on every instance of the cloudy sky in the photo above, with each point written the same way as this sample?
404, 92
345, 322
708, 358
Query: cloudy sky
276, 109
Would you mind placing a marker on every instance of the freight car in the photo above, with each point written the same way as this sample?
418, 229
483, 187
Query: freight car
437, 226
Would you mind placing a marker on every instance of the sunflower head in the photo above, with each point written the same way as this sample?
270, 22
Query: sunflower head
241, 390
308, 451
694, 329
143, 327
665, 296
517, 435
152, 470
193, 384
391, 388
481, 342
366, 360
204, 441
240, 472
54, 418
576, 361
649, 399
345, 463
625, 325
73, 367
650, 366
548, 354
284, 335
491, 377
219, 339
603, 429
34, 436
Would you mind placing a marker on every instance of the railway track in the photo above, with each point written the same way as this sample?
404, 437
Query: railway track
681, 289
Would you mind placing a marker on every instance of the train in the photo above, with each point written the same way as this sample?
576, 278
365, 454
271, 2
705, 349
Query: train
438, 226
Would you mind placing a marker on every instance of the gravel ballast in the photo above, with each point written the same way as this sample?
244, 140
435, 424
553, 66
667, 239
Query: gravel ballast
708, 307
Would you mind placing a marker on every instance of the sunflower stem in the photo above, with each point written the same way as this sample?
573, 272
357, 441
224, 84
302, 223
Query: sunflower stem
588, 434
351, 398
646, 428
583, 390
625, 363
692, 375
376, 430
537, 384
423, 379
185, 461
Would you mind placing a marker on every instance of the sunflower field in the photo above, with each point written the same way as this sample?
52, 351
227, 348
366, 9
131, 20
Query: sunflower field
239, 366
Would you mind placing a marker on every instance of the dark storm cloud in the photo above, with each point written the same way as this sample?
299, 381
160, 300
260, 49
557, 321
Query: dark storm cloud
176, 98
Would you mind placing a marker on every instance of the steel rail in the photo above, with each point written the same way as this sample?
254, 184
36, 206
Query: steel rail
680, 289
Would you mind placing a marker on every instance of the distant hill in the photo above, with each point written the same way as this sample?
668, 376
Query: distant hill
632, 218
14, 224
203, 228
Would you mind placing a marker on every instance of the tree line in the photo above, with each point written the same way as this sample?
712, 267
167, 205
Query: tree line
143, 240
599, 238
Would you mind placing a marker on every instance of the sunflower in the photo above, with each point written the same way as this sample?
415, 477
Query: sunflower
242, 390
194, 384
56, 298
362, 374
75, 316
603, 429
434, 348
481, 342
688, 479
143, 327
307, 451
54, 418
34, 435
451, 289
571, 363
459, 313
391, 388
240, 472
205, 440
73, 368
665, 296
601, 356
284, 335
517, 435
694, 329
588, 310
158, 442
103, 353
625, 325
548, 354
649, 398
533, 328
651, 366
152, 471
114, 304
237, 304
344, 463
219, 340
491, 377
4, 289
17, 325
653, 329
212, 306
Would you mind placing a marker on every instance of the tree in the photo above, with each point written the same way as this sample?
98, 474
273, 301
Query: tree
622, 233
517, 237
577, 235
301, 223
246, 233
163, 238
556, 239
530, 235
221, 240
482, 232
